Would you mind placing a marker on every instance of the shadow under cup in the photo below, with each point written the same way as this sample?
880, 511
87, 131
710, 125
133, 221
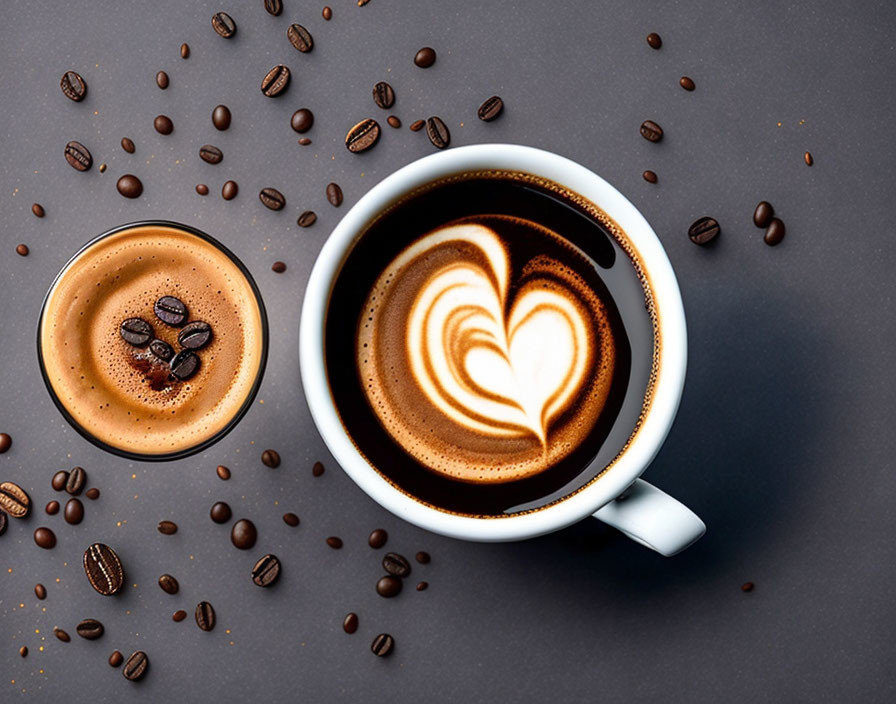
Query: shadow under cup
120, 397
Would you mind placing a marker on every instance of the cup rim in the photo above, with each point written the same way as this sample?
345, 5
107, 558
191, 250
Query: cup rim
671, 332
247, 403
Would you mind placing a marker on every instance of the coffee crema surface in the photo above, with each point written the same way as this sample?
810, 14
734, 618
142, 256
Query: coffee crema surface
124, 396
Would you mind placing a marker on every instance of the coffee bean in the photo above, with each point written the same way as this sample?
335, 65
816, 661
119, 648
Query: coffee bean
5, 442
163, 124
747, 587
388, 586
266, 571
270, 458
4, 521
168, 584
136, 332
382, 645
304, 141
135, 667
162, 350
170, 310
22, 250
422, 557
763, 214
651, 131
350, 623
128, 145
417, 125
438, 133
396, 565
243, 534
362, 3
60, 479
220, 512
210, 154
103, 168
167, 527
40, 591
704, 230
307, 219
686, 83
229, 190
195, 335
78, 156
162, 80
73, 86
202, 189
74, 512
90, 628
52, 508
23, 651
317, 469
393, 121
116, 658
38, 210
221, 117
129, 186
178, 615
184, 365
377, 538
205, 616
45, 538
291, 519
422, 586
300, 38
327, 13
278, 267
223, 472
62, 635
77, 478
775, 232
383, 95
425, 57
272, 198
334, 194
653, 39
275, 81
274, 7
185, 51
302, 120
650, 176
807, 157
334, 542
490, 109
93, 493
362, 136
14, 500
223, 24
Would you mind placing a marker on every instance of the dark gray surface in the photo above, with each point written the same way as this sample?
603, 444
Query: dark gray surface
784, 442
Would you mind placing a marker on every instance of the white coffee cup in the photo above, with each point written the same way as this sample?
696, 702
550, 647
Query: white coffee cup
618, 496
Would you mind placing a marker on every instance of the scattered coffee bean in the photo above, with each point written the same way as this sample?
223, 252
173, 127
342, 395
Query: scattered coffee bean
425, 57
195, 335
438, 133
275, 81
92, 493
162, 350
382, 645
362, 136
396, 565
775, 232
291, 519
334, 194
38, 210
274, 7
23, 651
270, 458
687, 83
422, 586
327, 13
388, 586
278, 267
168, 584
135, 667
272, 198
77, 478
393, 122
651, 131
129, 186
202, 189
763, 214
223, 24
417, 125
162, 80
704, 230
74, 512
116, 658
103, 168
103, 569
302, 120
78, 156
649, 176
185, 51
22, 250
243, 534
210, 154
128, 145
5, 442
167, 527
807, 157
383, 95
317, 469
229, 190
221, 117
60, 479
170, 310
377, 538
90, 628
40, 591
350, 623
747, 587
300, 38
61, 635
45, 538
304, 141
490, 109
178, 615
334, 542
4, 521
307, 219
205, 616
653, 39
362, 3
266, 571
163, 124
136, 332
14, 500
52, 508
222, 472
73, 86
220, 512
422, 557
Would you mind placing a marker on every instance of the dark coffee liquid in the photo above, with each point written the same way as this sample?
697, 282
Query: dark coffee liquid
609, 271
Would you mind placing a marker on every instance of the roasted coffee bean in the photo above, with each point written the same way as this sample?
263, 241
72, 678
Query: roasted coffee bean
136, 332
362, 136
135, 667
162, 350
396, 565
417, 125
307, 219
168, 584
775, 232
22, 250
350, 623
300, 38
278, 267
651, 131
61, 635
52, 508
128, 145
334, 542
45, 538
210, 154
270, 458
221, 117
388, 586
77, 478
393, 121
162, 80
205, 616
687, 83
40, 591
73, 86
653, 39
116, 658
377, 538
438, 133
223, 24
202, 189
763, 214
747, 587
304, 141
195, 335
4, 521
383, 95
272, 198
291, 519
266, 571
704, 230
23, 651
74, 512
167, 527
220, 512
222, 472
425, 57
317, 469
129, 186
327, 13
229, 190
5, 442
14, 500
302, 120
275, 81
422, 586
178, 615
38, 210
163, 124
78, 156
650, 176
422, 557
60, 479
90, 628
93, 493
334, 194
184, 365
274, 7
170, 310
382, 645
490, 109
185, 51
243, 534
807, 157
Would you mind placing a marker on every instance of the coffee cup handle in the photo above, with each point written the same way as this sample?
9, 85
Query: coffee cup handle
653, 518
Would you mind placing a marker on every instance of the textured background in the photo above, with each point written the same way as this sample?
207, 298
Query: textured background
784, 443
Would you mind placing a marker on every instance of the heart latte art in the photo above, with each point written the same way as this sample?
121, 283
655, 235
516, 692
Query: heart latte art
482, 367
